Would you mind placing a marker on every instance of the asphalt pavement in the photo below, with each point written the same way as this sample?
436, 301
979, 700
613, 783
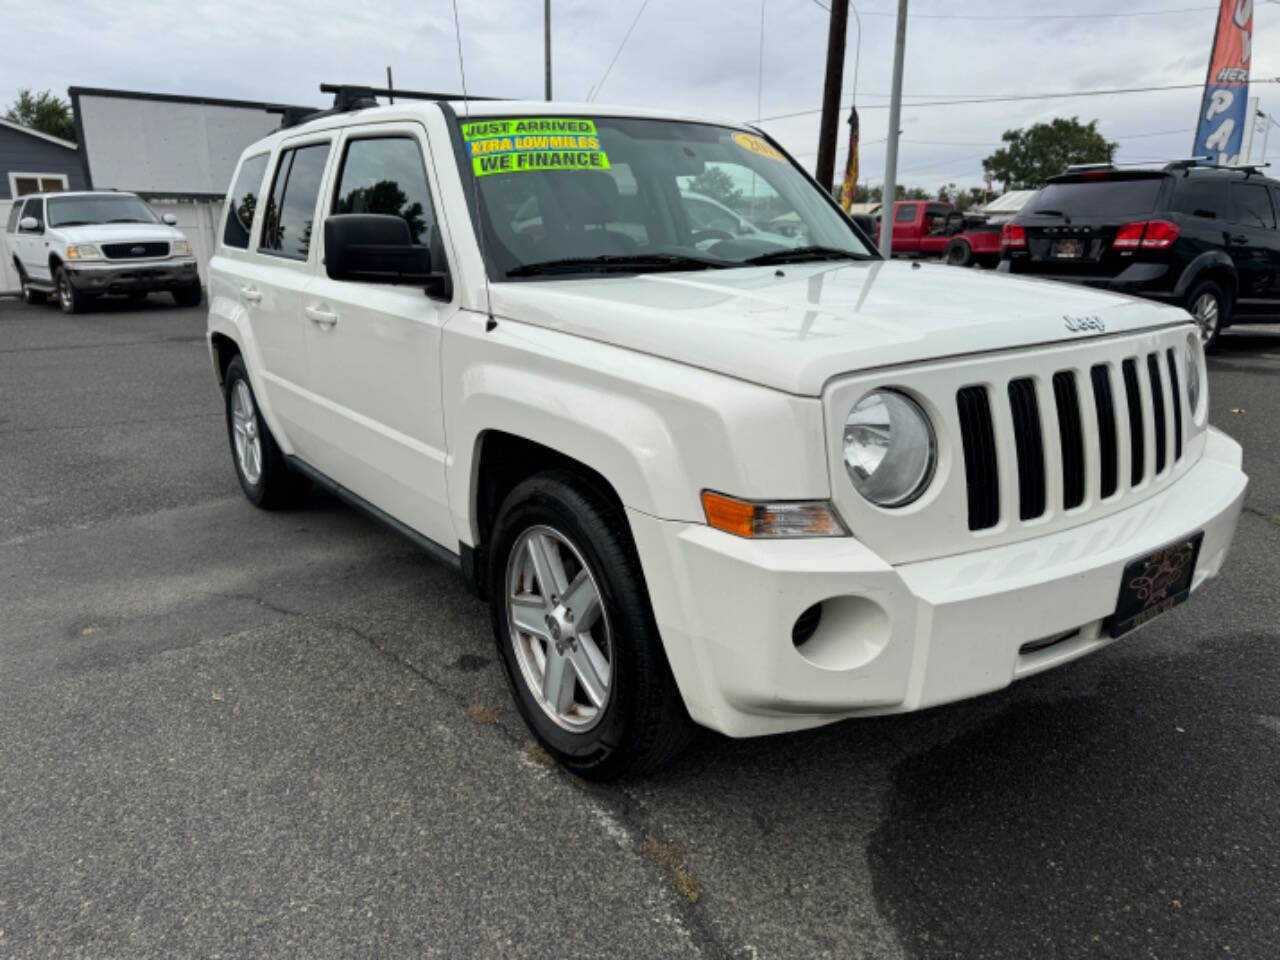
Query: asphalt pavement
229, 733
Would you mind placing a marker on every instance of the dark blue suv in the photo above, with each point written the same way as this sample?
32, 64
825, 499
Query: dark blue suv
1199, 236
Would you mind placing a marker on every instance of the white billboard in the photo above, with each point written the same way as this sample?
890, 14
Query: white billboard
157, 144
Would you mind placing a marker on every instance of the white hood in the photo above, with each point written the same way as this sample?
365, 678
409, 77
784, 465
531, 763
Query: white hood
796, 331
120, 233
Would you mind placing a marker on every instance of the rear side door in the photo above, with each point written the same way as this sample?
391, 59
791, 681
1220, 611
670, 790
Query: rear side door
374, 348
1251, 244
32, 244
273, 282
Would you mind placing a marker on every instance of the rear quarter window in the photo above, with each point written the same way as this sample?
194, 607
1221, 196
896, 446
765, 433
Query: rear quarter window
1251, 205
1201, 197
243, 202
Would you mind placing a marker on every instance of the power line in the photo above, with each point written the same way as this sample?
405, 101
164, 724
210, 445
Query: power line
591, 94
1009, 98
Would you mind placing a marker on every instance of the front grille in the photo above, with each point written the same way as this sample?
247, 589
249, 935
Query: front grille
977, 436
135, 251
1071, 434
1089, 437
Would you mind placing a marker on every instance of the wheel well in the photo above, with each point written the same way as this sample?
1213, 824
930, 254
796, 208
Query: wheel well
1221, 276
54, 263
503, 460
224, 351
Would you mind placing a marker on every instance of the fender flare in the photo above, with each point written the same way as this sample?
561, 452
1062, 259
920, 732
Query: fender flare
1209, 260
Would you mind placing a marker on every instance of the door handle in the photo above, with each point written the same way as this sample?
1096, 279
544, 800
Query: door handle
1239, 239
325, 318
252, 294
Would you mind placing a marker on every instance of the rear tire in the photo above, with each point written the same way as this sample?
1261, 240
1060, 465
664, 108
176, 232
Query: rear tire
188, 296
263, 472
29, 294
617, 710
959, 253
1210, 306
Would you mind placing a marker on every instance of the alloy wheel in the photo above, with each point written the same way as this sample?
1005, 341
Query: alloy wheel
245, 431
64, 292
559, 629
1206, 313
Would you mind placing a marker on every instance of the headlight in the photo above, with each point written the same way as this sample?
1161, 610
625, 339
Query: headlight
83, 251
1192, 358
889, 448
180, 248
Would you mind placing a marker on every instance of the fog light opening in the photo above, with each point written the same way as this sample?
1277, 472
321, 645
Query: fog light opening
806, 625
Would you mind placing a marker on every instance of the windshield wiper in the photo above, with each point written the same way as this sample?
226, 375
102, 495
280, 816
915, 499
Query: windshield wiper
805, 254
617, 263
127, 220
71, 223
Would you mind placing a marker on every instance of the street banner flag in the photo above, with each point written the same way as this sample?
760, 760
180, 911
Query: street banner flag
1220, 129
850, 185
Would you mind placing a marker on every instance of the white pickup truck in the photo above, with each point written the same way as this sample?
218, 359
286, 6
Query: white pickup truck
702, 476
83, 245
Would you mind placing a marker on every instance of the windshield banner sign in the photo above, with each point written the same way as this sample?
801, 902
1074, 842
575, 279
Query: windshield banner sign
523, 144
1220, 129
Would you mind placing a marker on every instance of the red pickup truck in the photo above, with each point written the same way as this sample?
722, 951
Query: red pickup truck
932, 228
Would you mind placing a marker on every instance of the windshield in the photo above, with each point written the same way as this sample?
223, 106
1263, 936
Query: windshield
1076, 199
73, 211
583, 195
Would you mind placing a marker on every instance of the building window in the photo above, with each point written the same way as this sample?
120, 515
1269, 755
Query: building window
21, 184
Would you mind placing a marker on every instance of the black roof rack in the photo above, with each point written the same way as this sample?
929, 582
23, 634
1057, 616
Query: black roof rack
353, 96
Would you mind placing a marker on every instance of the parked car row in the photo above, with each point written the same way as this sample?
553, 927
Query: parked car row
82, 245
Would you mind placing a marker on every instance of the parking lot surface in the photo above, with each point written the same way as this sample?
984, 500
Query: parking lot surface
225, 732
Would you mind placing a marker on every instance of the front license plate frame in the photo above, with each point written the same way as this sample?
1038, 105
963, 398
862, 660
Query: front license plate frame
1154, 584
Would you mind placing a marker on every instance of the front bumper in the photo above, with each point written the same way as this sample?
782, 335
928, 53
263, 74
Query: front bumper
894, 639
123, 276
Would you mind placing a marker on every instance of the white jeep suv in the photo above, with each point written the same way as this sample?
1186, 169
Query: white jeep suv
82, 245
762, 487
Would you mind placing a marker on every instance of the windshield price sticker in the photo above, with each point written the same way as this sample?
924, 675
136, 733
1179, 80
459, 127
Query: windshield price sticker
758, 145
523, 144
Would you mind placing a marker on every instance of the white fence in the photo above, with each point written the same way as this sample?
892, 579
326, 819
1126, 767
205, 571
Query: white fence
197, 219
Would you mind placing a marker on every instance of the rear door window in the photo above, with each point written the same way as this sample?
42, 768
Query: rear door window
289, 218
1201, 197
1084, 199
1251, 206
244, 201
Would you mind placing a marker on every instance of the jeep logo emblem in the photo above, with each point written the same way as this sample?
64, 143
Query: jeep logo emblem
139, 251
1081, 324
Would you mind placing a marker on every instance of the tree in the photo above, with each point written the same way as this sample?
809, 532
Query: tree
1044, 150
43, 112
718, 185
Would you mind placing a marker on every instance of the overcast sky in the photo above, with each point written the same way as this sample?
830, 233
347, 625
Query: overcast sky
699, 55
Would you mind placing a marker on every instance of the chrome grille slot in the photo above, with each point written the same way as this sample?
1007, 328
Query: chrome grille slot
1071, 434
1029, 441
977, 437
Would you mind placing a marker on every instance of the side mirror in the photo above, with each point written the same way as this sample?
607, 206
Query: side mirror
170, 219
374, 248
28, 224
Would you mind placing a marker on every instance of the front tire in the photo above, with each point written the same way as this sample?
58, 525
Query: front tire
576, 633
261, 468
1209, 306
188, 296
70, 299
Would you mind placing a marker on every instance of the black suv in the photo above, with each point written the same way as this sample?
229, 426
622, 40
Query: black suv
1199, 236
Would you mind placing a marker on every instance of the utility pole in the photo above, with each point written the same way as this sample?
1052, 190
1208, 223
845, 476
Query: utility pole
546, 32
826, 169
891, 150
